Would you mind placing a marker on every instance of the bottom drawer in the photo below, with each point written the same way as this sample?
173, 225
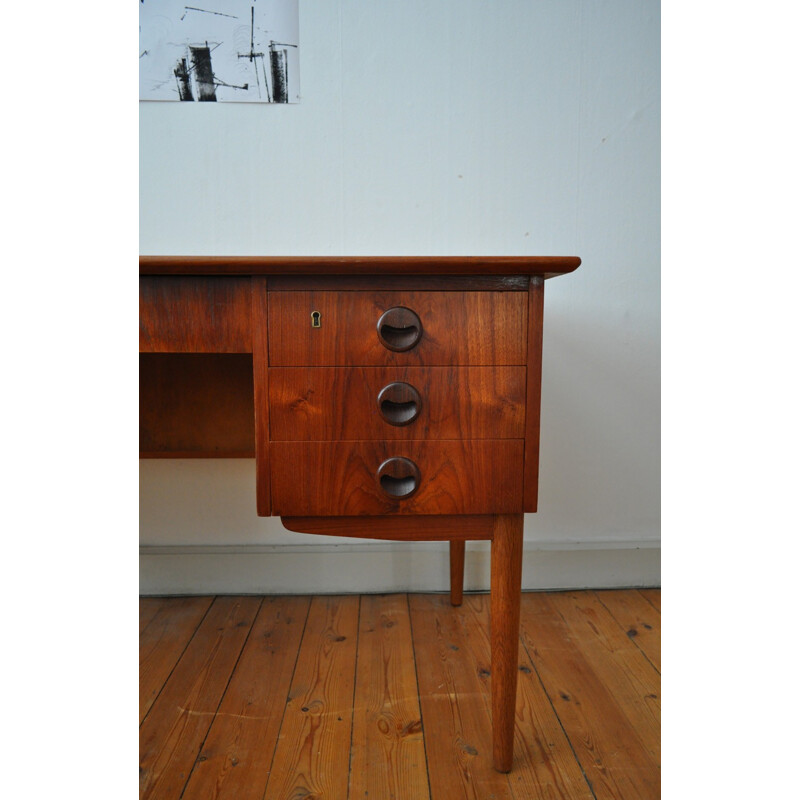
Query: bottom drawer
416, 477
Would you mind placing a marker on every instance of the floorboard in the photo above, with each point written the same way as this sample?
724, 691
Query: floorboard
313, 754
387, 756
639, 619
237, 754
544, 763
653, 596
583, 660
383, 697
162, 641
453, 677
173, 731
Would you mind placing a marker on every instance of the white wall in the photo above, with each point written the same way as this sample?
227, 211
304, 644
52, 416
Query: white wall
448, 128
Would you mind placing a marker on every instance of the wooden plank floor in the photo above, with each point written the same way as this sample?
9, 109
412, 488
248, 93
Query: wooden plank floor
387, 696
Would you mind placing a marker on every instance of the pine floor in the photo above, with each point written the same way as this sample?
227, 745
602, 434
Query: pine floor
387, 696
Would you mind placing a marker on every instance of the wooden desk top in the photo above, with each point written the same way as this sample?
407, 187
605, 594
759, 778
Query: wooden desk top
548, 266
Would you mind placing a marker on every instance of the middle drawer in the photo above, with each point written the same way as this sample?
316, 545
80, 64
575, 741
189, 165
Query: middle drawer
356, 403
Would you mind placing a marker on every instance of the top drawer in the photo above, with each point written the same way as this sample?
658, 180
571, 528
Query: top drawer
316, 328
194, 314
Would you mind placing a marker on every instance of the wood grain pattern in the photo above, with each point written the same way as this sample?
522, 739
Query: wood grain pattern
459, 328
380, 283
260, 316
194, 315
615, 753
387, 751
534, 393
457, 551
357, 265
196, 405
236, 756
471, 452
454, 688
638, 618
595, 719
149, 607
506, 588
173, 730
162, 641
625, 671
544, 765
339, 478
418, 528
314, 742
653, 596
328, 403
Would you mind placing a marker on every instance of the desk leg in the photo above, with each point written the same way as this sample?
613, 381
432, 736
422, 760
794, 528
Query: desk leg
506, 588
456, 571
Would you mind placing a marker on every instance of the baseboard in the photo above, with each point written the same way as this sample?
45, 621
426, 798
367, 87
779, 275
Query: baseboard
388, 567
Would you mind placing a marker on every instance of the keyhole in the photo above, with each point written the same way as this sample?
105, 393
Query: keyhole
315, 321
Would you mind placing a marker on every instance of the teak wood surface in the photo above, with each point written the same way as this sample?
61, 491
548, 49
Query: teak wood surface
547, 266
534, 392
394, 283
459, 328
248, 698
482, 476
260, 317
340, 403
193, 404
194, 315
416, 528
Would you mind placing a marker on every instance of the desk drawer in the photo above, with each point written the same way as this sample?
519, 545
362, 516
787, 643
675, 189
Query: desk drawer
348, 403
355, 328
194, 314
421, 477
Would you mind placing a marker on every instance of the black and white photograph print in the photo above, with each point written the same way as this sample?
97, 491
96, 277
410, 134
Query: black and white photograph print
231, 51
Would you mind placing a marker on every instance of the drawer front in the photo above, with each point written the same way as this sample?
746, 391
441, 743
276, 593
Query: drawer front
354, 328
194, 315
415, 477
349, 403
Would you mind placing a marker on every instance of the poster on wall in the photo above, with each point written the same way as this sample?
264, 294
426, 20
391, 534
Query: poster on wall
219, 51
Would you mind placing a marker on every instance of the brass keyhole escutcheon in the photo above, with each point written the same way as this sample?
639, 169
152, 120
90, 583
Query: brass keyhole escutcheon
315, 319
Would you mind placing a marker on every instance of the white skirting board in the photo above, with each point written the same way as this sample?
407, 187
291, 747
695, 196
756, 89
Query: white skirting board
388, 567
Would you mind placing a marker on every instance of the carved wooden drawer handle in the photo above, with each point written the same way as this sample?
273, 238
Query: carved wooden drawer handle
398, 477
399, 403
399, 329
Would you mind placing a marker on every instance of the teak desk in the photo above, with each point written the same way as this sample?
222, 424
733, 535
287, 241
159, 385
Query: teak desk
387, 398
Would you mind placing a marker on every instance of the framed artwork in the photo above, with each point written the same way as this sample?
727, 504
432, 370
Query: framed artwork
231, 51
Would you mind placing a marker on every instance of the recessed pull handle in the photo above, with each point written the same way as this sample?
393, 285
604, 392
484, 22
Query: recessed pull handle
399, 403
398, 477
399, 329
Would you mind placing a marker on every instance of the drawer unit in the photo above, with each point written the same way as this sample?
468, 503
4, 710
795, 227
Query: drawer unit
351, 403
416, 477
409, 402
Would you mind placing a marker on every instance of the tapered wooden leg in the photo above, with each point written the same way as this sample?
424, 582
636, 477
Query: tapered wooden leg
456, 571
506, 589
